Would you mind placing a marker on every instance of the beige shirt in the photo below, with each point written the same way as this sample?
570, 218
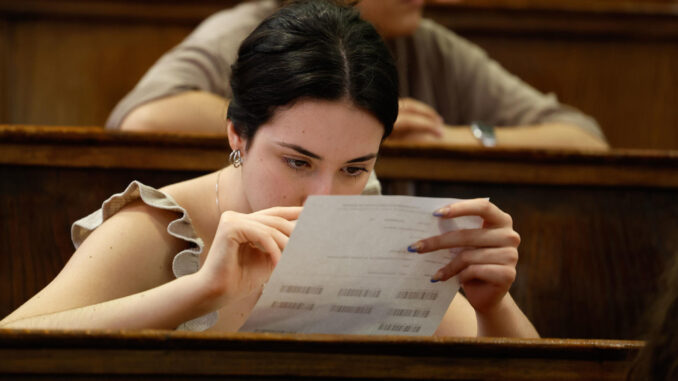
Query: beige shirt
435, 66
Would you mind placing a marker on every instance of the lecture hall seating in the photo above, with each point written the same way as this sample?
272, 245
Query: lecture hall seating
613, 59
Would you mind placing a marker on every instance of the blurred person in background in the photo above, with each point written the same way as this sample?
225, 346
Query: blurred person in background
445, 81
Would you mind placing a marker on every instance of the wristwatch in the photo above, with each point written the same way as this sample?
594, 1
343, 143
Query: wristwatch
485, 133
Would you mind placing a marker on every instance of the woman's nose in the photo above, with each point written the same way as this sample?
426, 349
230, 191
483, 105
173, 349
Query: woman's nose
321, 185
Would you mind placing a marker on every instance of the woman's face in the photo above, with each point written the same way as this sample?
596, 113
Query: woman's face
311, 148
392, 18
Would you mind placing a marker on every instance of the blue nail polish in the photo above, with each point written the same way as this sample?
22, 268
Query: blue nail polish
412, 248
437, 214
434, 280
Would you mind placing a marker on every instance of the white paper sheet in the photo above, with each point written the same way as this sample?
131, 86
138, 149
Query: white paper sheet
346, 269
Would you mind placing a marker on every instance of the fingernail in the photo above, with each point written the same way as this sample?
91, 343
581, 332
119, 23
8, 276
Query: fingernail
441, 212
437, 276
415, 247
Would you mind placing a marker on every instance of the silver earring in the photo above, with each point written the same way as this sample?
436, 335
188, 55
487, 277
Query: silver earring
235, 158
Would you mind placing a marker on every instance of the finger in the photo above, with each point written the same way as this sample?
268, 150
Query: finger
249, 228
493, 274
274, 248
483, 238
279, 238
286, 212
252, 233
269, 245
279, 223
264, 238
505, 256
415, 123
490, 213
413, 106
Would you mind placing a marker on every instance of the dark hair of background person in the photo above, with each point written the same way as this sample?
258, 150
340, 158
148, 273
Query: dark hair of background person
312, 50
658, 360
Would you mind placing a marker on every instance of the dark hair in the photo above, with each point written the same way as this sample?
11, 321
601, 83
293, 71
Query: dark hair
312, 50
658, 360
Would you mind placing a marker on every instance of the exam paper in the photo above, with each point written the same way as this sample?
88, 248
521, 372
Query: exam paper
346, 269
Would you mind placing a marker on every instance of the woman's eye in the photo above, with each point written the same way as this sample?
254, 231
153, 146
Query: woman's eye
354, 171
296, 163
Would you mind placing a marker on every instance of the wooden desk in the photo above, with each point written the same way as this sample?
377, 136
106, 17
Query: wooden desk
188, 356
615, 60
597, 228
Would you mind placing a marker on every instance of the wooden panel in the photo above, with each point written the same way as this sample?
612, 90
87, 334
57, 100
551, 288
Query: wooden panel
73, 60
94, 147
613, 62
589, 256
176, 355
597, 228
173, 11
4, 57
67, 72
37, 207
663, 7
628, 86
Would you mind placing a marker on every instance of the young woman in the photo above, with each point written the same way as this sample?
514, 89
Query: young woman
314, 95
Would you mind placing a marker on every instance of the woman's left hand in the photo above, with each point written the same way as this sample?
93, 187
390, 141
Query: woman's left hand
487, 265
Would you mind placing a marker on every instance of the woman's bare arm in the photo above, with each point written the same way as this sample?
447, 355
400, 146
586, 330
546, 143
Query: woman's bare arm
188, 112
120, 277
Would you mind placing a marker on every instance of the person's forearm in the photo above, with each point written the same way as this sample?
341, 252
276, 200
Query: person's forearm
163, 307
547, 136
506, 320
191, 111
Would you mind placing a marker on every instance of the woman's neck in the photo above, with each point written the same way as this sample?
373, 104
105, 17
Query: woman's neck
231, 191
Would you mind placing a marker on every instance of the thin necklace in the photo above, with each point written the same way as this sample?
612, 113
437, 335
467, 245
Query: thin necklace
216, 191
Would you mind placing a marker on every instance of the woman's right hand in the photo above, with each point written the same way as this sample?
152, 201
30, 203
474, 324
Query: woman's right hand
416, 121
245, 250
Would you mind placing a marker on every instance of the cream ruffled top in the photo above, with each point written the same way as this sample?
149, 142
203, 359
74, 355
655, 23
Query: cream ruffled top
185, 262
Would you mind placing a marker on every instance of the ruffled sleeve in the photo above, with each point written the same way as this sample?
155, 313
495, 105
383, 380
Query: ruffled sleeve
185, 262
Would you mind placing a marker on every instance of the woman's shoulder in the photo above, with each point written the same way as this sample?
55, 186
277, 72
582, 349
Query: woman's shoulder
197, 196
142, 225
137, 203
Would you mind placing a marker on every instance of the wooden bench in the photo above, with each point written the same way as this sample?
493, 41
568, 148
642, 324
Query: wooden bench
613, 59
597, 228
141, 355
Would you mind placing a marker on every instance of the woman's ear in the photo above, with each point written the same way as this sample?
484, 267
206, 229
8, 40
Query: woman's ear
234, 140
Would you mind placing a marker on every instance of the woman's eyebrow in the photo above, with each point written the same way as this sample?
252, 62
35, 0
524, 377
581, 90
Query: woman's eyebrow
300, 150
306, 152
362, 158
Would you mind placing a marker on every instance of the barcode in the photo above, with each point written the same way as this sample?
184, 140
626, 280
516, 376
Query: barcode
301, 290
422, 295
360, 293
351, 309
293, 305
410, 313
399, 327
